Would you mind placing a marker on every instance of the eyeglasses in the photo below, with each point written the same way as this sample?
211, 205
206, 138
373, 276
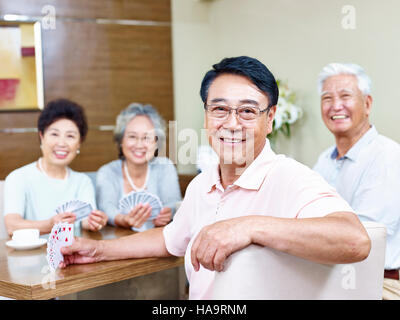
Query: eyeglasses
246, 113
146, 140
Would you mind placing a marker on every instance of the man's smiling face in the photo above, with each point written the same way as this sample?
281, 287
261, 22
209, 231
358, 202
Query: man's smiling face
344, 108
237, 142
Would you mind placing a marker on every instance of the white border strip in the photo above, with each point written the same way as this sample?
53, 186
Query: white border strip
39, 64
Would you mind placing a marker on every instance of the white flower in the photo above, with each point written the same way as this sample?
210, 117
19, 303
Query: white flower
278, 117
287, 112
294, 113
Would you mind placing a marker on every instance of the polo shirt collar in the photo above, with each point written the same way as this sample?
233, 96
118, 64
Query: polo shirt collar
214, 179
354, 151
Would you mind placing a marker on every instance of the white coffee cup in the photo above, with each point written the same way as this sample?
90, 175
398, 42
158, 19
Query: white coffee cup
25, 236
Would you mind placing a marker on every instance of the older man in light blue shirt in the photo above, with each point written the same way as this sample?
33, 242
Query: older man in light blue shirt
363, 166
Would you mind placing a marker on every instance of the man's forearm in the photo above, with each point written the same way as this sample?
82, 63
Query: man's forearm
335, 238
149, 243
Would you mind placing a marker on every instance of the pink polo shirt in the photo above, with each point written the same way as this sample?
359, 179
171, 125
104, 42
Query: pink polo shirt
272, 185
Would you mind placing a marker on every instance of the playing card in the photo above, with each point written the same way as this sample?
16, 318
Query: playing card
61, 235
131, 200
52, 255
83, 211
80, 208
65, 234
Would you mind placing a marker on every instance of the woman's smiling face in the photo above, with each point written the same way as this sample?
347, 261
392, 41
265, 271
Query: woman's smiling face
139, 142
60, 142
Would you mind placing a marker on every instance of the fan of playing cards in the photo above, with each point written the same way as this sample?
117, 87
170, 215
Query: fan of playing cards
127, 203
80, 208
62, 234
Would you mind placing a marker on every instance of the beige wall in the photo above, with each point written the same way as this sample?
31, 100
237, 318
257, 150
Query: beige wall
295, 39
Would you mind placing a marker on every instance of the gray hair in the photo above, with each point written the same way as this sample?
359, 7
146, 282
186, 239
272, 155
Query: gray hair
134, 110
334, 69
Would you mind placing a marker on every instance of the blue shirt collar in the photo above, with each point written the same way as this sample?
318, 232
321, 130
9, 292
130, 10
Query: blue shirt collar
352, 154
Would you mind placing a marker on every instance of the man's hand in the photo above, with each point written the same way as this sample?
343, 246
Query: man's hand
217, 241
81, 251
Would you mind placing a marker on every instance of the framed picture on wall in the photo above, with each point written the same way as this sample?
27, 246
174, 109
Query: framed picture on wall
21, 66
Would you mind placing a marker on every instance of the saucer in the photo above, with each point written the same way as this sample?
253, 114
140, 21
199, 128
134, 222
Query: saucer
26, 246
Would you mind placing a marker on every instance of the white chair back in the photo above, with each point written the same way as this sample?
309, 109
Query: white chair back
262, 273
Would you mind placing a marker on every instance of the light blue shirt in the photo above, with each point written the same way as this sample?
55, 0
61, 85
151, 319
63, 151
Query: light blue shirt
35, 196
162, 181
368, 178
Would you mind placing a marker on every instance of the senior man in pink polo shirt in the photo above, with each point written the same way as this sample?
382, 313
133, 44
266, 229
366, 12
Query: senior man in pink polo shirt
252, 197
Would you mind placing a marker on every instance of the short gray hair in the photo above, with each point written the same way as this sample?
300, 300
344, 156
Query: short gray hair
134, 110
334, 69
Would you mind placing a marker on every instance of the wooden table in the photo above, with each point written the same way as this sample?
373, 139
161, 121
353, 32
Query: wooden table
25, 274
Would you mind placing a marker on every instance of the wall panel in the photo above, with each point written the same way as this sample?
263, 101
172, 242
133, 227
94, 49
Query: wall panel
103, 67
152, 10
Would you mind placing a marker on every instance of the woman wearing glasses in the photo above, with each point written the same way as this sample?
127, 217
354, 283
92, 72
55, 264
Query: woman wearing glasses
139, 134
33, 192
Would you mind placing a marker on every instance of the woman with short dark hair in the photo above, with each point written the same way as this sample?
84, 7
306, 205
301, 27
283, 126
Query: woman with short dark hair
34, 191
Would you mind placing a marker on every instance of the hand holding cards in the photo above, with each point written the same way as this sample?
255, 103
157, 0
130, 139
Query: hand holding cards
130, 201
80, 208
62, 234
